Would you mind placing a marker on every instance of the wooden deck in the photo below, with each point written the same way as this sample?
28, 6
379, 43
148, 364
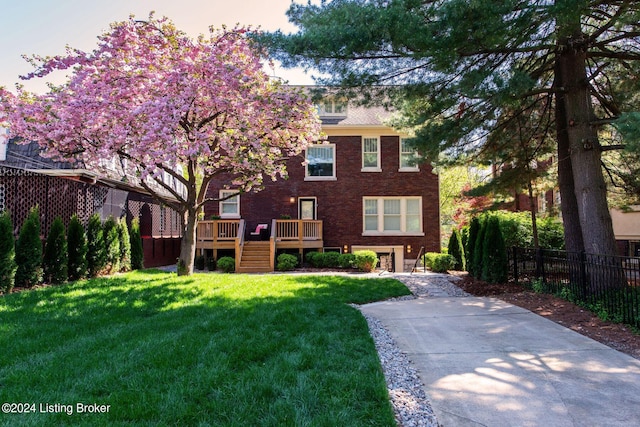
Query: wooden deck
283, 234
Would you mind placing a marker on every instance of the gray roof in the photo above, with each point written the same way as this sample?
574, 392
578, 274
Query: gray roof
359, 116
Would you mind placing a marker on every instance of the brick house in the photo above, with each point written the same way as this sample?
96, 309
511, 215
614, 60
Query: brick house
361, 190
27, 179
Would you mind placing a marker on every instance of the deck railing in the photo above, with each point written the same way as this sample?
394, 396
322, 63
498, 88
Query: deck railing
298, 229
218, 230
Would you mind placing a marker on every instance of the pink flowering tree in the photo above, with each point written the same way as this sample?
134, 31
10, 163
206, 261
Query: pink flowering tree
195, 110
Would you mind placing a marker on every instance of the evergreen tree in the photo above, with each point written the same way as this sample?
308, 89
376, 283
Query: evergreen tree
456, 250
8, 264
77, 248
111, 245
29, 251
495, 264
125, 245
55, 260
96, 253
478, 248
137, 252
459, 70
474, 228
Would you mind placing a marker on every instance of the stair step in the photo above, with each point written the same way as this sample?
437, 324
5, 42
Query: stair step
255, 258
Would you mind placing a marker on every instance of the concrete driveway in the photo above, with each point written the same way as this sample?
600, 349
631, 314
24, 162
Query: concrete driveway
485, 362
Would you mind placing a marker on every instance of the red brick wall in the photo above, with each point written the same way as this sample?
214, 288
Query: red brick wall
340, 201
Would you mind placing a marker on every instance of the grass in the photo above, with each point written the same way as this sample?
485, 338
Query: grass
209, 349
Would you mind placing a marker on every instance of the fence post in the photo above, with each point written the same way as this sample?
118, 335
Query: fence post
515, 264
583, 272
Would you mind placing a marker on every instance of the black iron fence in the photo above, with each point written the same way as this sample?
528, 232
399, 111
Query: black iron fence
608, 285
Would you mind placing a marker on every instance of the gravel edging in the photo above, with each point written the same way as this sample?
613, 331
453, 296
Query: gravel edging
411, 404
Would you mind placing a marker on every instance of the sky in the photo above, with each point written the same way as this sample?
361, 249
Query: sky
45, 27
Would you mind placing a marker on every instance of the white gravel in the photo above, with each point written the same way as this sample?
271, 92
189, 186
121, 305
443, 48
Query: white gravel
411, 405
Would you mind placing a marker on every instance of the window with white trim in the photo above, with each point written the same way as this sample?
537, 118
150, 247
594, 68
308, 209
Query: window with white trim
392, 215
371, 154
332, 108
229, 207
408, 157
321, 162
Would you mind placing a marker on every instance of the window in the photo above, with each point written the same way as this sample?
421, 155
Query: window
392, 215
321, 162
331, 107
229, 208
371, 154
408, 157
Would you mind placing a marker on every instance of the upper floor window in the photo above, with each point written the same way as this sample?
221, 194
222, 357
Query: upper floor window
332, 107
392, 215
229, 206
371, 154
408, 157
321, 162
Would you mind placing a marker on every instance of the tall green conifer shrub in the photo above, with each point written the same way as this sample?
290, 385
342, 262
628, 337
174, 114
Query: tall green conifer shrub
137, 253
495, 265
29, 251
112, 245
55, 260
77, 248
456, 250
474, 228
96, 253
8, 264
125, 245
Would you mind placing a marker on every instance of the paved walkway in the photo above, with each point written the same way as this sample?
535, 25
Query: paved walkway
485, 362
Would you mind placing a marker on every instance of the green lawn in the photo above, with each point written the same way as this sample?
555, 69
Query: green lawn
209, 349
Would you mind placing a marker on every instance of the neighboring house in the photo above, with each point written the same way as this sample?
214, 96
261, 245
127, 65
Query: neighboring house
626, 227
359, 190
62, 189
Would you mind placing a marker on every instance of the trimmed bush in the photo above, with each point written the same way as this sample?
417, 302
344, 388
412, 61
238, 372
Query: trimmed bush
227, 264
347, 261
495, 265
456, 250
330, 259
125, 245
8, 264
96, 252
313, 258
137, 253
55, 260
550, 233
286, 262
111, 245
77, 249
366, 260
474, 228
439, 262
29, 251
198, 263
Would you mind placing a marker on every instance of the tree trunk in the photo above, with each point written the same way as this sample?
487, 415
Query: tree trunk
589, 185
534, 221
188, 243
569, 205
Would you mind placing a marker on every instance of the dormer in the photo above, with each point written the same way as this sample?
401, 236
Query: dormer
330, 107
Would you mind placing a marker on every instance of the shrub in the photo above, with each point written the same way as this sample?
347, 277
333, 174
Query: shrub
227, 264
56, 257
313, 258
366, 260
516, 228
77, 249
8, 264
477, 249
550, 233
111, 245
198, 263
29, 251
456, 250
495, 265
438, 262
347, 261
474, 228
331, 259
96, 251
137, 253
125, 245
286, 262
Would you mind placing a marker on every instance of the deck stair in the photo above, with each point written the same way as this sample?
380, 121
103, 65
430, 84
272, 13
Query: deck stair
255, 258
